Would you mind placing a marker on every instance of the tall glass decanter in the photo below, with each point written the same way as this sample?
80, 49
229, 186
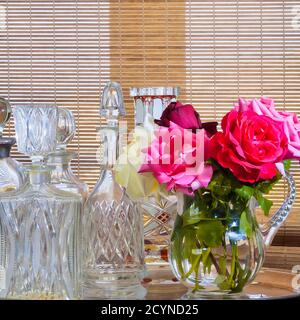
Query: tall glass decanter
62, 176
40, 257
114, 251
159, 210
12, 175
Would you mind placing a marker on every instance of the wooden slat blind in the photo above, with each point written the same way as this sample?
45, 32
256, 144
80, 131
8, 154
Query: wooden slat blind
58, 52
64, 51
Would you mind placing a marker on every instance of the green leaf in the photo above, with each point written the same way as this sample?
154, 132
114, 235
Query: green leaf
264, 203
222, 265
189, 244
177, 227
191, 215
245, 225
265, 186
220, 278
222, 282
287, 164
210, 233
245, 192
206, 260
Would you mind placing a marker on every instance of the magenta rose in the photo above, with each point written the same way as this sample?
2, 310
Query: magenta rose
185, 116
249, 146
265, 106
172, 160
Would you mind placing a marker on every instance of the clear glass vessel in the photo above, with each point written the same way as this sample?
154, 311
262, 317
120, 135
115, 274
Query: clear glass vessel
114, 251
216, 252
5, 113
152, 100
36, 127
159, 211
62, 175
40, 248
12, 175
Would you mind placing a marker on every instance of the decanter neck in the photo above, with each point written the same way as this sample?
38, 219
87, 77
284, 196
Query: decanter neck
60, 159
109, 139
5, 147
39, 174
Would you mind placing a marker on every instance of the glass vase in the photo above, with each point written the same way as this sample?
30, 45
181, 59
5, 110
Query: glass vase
216, 251
158, 210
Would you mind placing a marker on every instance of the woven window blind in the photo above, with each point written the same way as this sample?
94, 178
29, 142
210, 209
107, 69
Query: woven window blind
58, 52
64, 52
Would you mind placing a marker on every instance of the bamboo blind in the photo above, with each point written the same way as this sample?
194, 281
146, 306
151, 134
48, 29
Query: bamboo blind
64, 52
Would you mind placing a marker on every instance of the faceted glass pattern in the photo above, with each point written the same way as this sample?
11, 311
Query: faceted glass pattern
114, 257
12, 176
36, 127
40, 238
159, 214
113, 227
160, 210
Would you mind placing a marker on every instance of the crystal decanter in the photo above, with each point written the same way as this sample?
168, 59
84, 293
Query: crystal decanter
114, 251
40, 257
62, 176
159, 210
12, 175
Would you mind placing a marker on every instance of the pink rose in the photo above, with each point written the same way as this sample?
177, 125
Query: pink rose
249, 146
172, 159
265, 106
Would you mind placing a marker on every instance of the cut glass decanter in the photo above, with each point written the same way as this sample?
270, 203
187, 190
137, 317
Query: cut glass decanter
159, 210
114, 251
12, 175
62, 176
40, 250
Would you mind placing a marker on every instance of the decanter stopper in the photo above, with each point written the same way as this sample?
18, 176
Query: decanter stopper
5, 112
112, 102
112, 109
66, 128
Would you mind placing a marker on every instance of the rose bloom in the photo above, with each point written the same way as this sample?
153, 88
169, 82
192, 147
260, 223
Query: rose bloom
249, 146
172, 160
265, 106
185, 116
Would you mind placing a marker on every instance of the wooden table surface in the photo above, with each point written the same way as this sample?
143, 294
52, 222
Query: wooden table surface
269, 284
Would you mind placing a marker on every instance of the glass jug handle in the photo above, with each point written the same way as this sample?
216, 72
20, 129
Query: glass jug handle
270, 228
